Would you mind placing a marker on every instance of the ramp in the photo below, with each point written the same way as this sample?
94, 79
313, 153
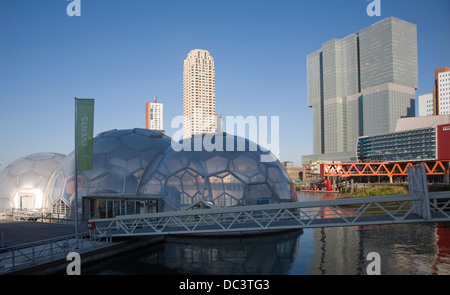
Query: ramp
418, 206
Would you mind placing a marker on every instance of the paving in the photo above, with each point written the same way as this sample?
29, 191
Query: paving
16, 233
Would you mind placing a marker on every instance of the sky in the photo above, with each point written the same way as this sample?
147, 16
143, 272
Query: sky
122, 53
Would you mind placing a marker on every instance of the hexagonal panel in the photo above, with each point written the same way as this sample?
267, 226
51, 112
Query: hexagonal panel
29, 179
124, 154
134, 165
192, 183
148, 156
106, 145
130, 184
282, 190
217, 163
99, 162
20, 167
245, 167
137, 142
176, 162
116, 133
275, 175
215, 186
233, 186
174, 182
225, 200
154, 186
108, 183
259, 194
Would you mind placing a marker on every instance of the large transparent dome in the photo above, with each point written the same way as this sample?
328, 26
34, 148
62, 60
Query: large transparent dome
228, 177
24, 183
120, 158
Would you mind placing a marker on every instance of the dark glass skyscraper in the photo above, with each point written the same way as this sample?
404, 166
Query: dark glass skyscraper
361, 85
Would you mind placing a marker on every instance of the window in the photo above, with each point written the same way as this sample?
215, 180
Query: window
60, 207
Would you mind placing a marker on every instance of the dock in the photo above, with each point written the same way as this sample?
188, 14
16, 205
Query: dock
29, 247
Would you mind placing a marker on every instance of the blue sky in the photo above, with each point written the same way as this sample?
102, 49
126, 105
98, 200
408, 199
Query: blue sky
124, 52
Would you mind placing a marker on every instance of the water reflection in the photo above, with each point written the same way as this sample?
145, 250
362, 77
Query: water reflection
251, 255
422, 248
404, 249
268, 254
419, 248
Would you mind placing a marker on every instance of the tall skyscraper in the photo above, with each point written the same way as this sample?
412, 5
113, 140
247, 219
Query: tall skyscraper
199, 93
154, 115
361, 85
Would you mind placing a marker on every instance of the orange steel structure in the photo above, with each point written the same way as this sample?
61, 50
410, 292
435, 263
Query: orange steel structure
435, 167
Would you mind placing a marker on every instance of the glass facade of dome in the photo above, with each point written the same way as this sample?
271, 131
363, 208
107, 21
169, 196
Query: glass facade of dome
142, 171
24, 183
227, 176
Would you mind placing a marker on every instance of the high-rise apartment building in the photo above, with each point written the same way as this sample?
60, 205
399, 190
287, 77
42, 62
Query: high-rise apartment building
441, 91
198, 93
154, 115
438, 102
361, 85
426, 105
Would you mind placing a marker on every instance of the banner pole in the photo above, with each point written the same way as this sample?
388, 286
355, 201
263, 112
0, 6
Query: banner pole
76, 174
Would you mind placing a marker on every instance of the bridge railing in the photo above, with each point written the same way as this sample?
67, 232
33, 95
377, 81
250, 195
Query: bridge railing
418, 186
29, 254
440, 206
338, 212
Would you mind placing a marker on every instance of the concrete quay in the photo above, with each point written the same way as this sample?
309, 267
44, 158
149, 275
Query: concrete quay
24, 243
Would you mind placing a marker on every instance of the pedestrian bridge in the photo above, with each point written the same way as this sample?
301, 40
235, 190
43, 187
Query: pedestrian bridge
417, 206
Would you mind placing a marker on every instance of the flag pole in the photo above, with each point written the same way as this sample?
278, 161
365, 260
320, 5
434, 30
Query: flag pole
76, 175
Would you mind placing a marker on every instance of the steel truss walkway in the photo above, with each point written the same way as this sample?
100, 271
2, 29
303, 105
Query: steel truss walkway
435, 167
418, 206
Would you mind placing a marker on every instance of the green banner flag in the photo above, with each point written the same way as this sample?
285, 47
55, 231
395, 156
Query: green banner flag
84, 133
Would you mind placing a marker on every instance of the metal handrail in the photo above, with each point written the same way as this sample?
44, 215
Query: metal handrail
28, 254
339, 212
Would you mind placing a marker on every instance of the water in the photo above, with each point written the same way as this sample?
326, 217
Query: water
403, 249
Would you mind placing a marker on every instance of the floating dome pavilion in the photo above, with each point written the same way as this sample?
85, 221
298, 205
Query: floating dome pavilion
135, 168
219, 171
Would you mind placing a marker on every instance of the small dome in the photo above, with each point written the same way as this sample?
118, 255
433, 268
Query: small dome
23, 184
217, 169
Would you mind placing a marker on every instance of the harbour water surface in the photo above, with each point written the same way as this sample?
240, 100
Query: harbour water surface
404, 249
